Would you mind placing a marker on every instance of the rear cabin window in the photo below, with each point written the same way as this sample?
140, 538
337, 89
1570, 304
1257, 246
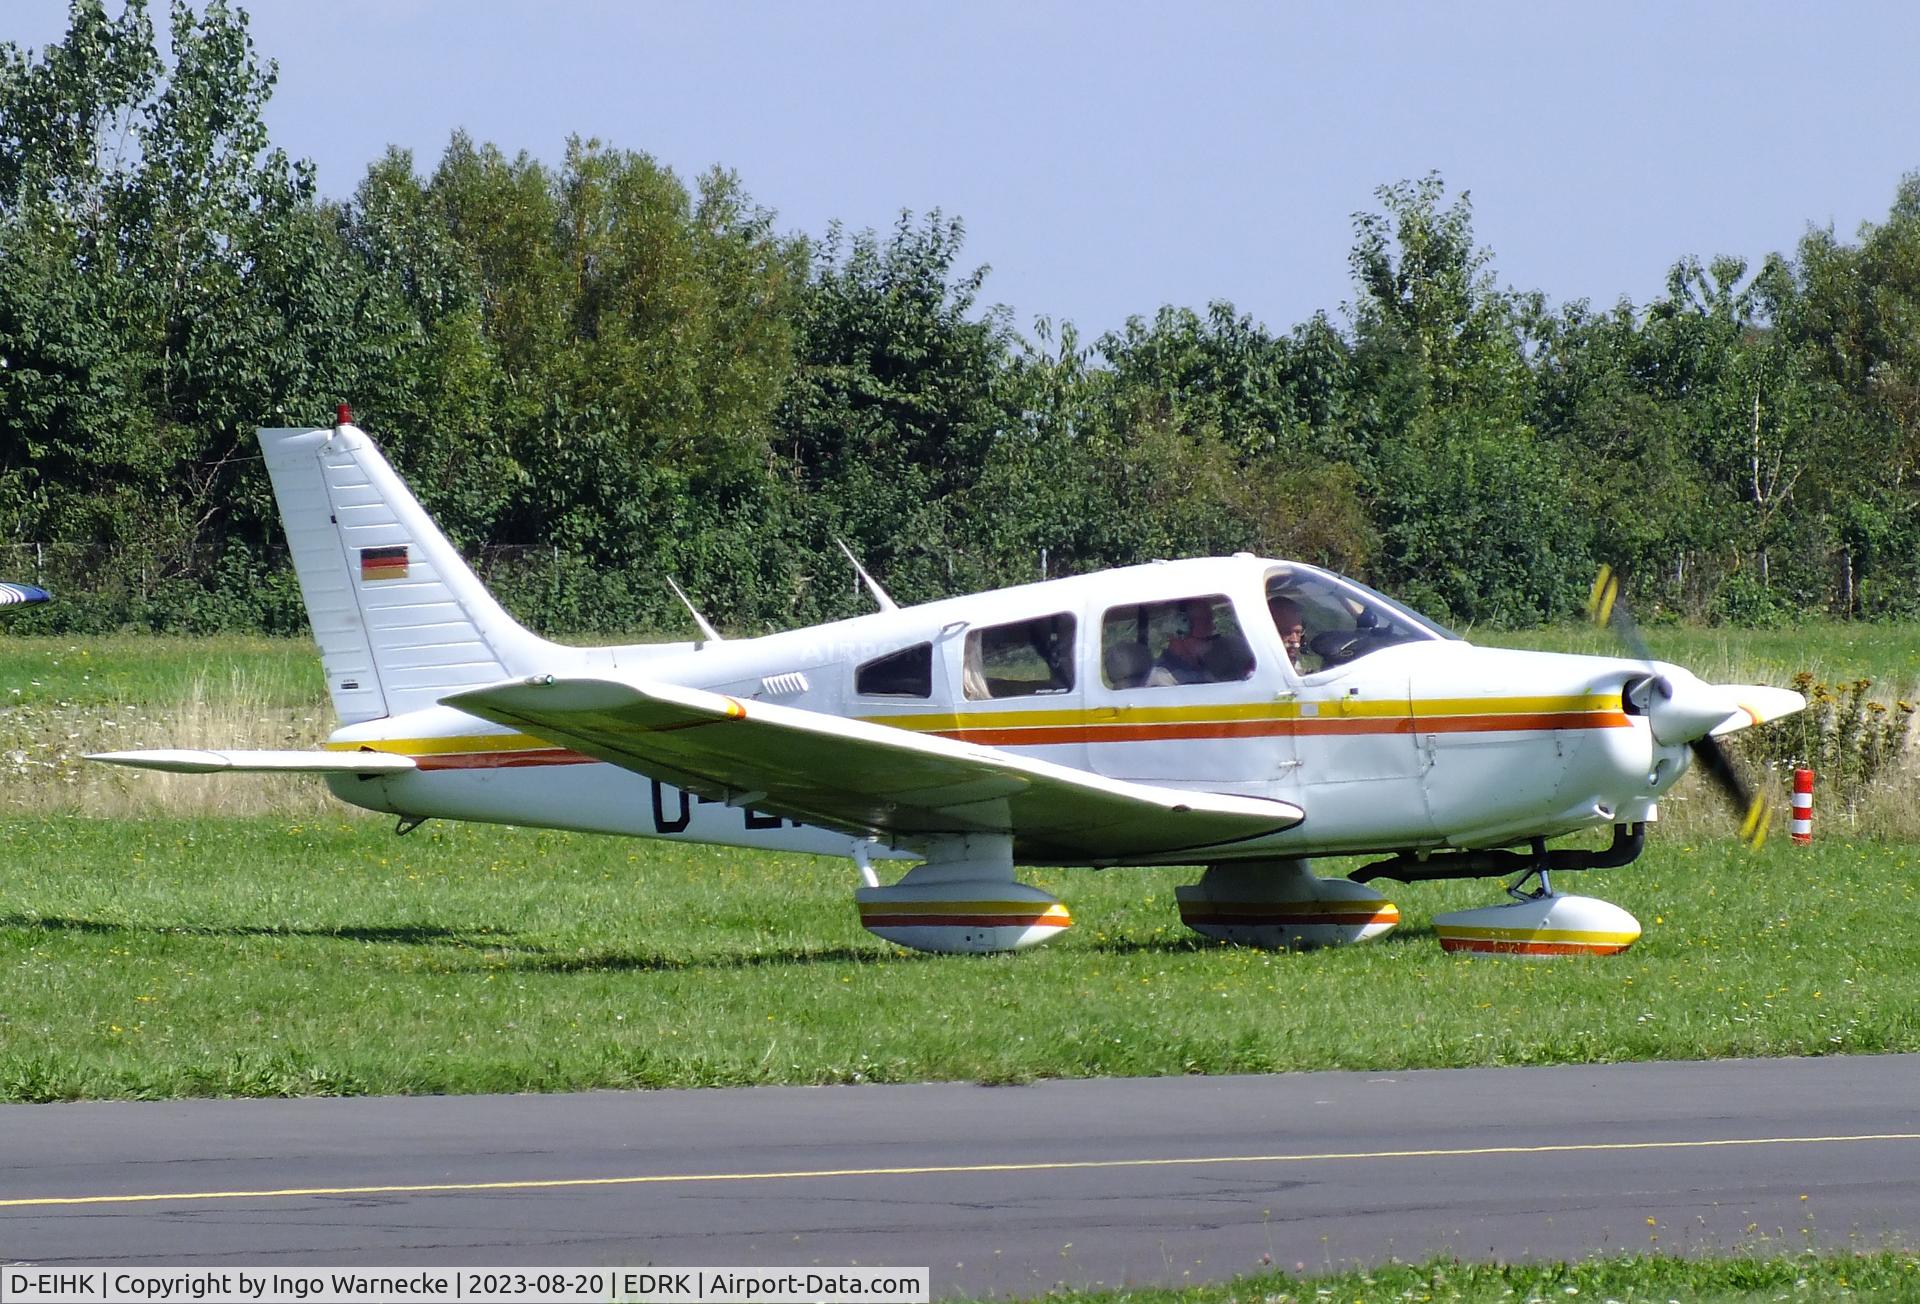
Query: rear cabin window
1022, 659
1186, 641
906, 673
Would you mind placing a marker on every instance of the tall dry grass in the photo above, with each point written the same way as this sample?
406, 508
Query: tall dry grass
43, 746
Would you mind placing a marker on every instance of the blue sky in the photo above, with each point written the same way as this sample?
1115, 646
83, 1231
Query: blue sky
1108, 159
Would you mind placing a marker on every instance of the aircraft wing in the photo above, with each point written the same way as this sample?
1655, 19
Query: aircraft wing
868, 778
185, 760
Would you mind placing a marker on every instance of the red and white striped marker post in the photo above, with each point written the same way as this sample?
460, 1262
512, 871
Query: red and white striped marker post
1802, 825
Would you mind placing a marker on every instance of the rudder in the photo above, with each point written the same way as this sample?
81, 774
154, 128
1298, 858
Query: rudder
400, 618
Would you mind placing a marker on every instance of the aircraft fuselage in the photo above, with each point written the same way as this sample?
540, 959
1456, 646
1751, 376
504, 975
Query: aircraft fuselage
1393, 736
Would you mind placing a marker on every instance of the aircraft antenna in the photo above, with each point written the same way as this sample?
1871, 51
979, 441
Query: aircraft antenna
873, 585
713, 635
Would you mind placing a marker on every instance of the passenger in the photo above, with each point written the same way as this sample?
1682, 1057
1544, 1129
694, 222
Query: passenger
1184, 660
1292, 626
1127, 665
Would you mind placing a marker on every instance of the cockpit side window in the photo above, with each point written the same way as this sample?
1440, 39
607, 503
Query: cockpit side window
1185, 641
1023, 659
1325, 621
906, 673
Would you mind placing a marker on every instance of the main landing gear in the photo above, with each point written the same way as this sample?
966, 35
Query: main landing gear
1280, 904
964, 898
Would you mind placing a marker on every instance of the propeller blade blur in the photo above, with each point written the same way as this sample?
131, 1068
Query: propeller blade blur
1605, 607
1755, 811
1681, 708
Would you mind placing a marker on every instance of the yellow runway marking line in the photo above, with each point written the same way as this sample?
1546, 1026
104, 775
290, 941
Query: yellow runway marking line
934, 1170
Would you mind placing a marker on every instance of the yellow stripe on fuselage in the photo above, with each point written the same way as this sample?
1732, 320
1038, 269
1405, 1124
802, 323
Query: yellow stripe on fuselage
946, 721
1341, 715
1055, 909
1442, 706
1587, 936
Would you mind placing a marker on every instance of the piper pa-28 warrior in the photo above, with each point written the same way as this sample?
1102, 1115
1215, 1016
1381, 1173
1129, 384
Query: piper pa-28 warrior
1240, 713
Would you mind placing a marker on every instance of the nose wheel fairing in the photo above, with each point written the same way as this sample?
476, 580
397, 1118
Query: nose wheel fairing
1539, 927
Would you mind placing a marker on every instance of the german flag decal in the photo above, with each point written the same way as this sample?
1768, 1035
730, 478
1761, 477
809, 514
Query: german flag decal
383, 563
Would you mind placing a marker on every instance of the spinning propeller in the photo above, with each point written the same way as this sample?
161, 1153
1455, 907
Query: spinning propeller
1679, 711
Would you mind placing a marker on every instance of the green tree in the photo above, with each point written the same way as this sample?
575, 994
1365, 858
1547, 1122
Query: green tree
1181, 436
1470, 500
599, 351
898, 397
165, 286
1853, 316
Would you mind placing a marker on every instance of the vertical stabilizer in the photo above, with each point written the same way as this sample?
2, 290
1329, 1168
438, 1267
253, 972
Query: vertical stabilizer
400, 619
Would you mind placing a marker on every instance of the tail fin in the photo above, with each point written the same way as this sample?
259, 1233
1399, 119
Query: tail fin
400, 619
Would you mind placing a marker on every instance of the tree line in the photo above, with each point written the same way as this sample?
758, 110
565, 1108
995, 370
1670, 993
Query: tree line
597, 373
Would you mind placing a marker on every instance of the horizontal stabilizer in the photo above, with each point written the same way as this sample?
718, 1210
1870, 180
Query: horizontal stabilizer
868, 778
186, 760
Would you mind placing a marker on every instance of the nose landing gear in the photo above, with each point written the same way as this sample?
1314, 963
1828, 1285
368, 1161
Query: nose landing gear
1539, 923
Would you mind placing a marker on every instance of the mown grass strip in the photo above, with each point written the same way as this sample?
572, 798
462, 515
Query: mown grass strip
1836, 651
158, 669
1880, 1275
195, 957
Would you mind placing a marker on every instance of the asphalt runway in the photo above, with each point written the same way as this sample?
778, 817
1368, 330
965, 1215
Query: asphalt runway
1008, 1190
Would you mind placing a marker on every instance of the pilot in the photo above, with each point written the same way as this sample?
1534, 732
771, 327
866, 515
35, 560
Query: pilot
1292, 626
1184, 660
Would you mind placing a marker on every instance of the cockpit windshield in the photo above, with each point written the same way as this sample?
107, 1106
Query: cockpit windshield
1326, 620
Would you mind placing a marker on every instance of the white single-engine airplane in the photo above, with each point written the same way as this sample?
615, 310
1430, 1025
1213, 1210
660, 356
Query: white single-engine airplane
1239, 713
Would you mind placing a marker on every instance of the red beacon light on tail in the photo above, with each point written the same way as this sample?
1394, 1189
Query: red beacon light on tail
343, 415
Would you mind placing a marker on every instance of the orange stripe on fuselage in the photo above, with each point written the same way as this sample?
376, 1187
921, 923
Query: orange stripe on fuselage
514, 760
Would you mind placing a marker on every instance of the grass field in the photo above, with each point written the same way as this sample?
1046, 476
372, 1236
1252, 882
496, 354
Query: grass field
1833, 651
1879, 1275
266, 956
158, 670
65, 697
